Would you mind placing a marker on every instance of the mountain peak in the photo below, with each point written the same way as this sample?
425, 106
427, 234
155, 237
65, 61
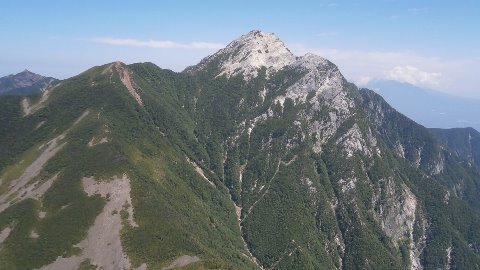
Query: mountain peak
26, 71
249, 53
25, 82
253, 51
259, 36
257, 33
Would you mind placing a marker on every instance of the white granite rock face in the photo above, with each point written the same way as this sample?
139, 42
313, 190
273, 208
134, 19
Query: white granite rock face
249, 53
397, 216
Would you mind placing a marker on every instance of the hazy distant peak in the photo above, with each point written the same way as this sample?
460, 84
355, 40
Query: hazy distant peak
428, 107
24, 82
26, 71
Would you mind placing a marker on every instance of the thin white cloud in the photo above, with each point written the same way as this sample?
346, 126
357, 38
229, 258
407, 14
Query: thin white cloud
327, 34
418, 11
329, 4
159, 44
414, 75
363, 80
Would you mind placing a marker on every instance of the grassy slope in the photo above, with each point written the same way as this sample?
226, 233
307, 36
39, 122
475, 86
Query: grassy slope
178, 212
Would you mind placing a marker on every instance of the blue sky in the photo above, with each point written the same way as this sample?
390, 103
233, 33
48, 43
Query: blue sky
434, 44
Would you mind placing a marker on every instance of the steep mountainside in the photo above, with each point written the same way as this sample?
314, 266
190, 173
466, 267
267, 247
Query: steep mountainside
252, 159
465, 142
25, 83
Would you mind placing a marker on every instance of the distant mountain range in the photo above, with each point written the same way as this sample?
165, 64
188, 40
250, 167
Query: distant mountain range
427, 107
24, 83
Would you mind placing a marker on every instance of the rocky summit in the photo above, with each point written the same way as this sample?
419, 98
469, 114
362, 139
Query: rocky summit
24, 83
252, 159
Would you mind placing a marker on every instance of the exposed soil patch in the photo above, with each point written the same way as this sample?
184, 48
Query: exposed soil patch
182, 261
84, 114
20, 189
4, 234
127, 80
28, 108
200, 171
103, 246
34, 235
94, 141
39, 125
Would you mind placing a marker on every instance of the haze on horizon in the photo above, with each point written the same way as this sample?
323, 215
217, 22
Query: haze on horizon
432, 44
